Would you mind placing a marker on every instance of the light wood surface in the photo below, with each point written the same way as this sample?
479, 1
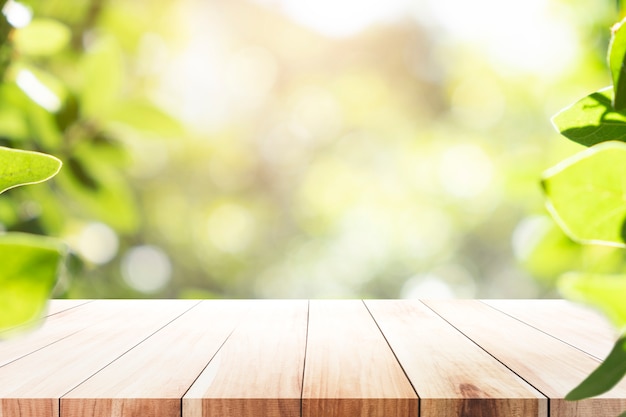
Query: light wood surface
300, 358
56, 306
451, 367
584, 328
258, 370
550, 365
151, 378
53, 307
62, 324
350, 370
47, 374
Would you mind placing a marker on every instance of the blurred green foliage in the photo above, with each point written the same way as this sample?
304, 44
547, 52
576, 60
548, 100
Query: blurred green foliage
29, 264
237, 149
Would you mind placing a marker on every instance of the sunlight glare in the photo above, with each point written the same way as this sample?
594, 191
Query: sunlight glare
531, 36
465, 170
342, 18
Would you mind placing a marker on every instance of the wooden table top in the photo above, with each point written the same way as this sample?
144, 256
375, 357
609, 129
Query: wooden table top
310, 358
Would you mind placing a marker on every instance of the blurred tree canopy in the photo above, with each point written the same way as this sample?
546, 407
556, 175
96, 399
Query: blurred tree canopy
268, 148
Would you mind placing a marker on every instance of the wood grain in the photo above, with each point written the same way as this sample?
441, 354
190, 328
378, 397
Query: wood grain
56, 306
63, 323
258, 370
550, 365
32, 385
579, 326
151, 378
350, 370
452, 375
28, 407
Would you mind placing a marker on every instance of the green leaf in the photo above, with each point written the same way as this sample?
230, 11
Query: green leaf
587, 194
592, 120
605, 377
606, 292
42, 37
616, 58
19, 167
29, 267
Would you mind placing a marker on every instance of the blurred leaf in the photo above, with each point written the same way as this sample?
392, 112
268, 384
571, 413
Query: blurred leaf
52, 219
100, 191
29, 267
8, 211
109, 149
587, 194
146, 117
605, 292
102, 75
12, 95
617, 58
12, 124
605, 377
13, 120
592, 120
39, 123
42, 37
81, 174
42, 127
19, 167
69, 112
544, 250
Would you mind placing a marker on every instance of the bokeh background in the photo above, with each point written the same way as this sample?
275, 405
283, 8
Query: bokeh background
300, 148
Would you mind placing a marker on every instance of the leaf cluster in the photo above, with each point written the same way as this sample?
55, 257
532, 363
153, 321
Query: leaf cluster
587, 197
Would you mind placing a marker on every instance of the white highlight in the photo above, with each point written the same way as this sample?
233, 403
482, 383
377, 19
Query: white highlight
17, 14
38, 91
146, 268
97, 243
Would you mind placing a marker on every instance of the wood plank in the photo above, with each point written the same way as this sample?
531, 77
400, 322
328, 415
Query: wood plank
550, 365
578, 326
350, 370
151, 379
451, 374
54, 328
57, 305
32, 386
258, 371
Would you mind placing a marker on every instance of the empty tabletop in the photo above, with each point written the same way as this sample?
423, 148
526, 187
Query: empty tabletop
307, 358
